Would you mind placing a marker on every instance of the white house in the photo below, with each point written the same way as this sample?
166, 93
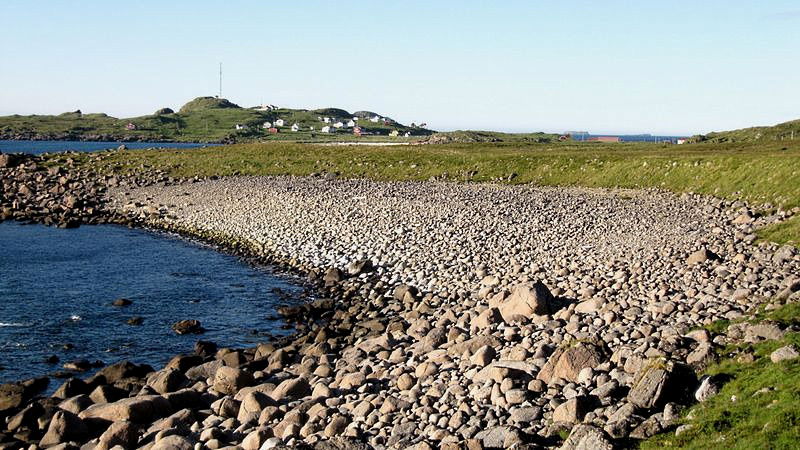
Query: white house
326, 129
311, 128
279, 123
394, 133
240, 126
267, 125
355, 119
374, 119
681, 141
326, 119
351, 123
295, 127
408, 134
338, 125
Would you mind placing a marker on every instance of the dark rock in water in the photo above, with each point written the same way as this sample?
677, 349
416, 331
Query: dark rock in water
121, 302
136, 320
67, 346
80, 365
52, 359
188, 327
206, 349
290, 312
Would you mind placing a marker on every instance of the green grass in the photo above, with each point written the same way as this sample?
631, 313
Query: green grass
759, 174
782, 132
786, 232
765, 413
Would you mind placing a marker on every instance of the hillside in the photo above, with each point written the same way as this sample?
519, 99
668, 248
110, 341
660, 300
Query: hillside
204, 119
780, 132
473, 136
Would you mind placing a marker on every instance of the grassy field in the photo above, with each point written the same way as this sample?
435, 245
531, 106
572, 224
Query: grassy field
758, 408
782, 132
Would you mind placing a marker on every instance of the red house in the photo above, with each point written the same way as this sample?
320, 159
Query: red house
273, 130
605, 139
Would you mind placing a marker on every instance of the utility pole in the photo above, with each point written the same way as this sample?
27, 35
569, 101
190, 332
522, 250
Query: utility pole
220, 80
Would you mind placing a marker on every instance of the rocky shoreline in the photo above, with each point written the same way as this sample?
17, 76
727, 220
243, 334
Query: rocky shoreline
448, 316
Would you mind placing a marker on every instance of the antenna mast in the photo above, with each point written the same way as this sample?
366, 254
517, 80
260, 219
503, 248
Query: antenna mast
220, 80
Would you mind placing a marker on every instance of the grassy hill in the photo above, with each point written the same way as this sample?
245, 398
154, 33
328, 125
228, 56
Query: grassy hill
786, 131
204, 119
473, 136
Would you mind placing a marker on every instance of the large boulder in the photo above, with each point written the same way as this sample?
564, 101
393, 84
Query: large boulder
568, 361
141, 409
9, 160
660, 382
119, 371
587, 437
12, 396
64, 427
229, 380
122, 433
525, 301
167, 380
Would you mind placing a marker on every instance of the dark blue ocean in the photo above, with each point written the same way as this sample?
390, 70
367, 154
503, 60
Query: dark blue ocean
37, 147
57, 286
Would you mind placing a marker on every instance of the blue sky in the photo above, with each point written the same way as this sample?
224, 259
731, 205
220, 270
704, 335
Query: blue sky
665, 67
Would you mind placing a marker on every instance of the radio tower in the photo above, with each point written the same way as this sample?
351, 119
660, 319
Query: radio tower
220, 81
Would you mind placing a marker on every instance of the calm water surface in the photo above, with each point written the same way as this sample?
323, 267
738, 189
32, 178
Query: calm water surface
38, 147
56, 288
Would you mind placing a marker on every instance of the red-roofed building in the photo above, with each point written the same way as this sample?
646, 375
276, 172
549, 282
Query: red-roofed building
605, 139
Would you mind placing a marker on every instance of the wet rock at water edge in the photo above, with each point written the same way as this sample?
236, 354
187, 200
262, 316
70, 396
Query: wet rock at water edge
136, 320
188, 327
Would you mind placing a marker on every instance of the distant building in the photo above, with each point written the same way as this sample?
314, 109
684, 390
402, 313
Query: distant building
279, 123
338, 125
374, 119
394, 133
357, 131
326, 129
240, 126
351, 123
408, 134
273, 130
130, 126
682, 141
326, 119
295, 127
266, 108
605, 139
266, 125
